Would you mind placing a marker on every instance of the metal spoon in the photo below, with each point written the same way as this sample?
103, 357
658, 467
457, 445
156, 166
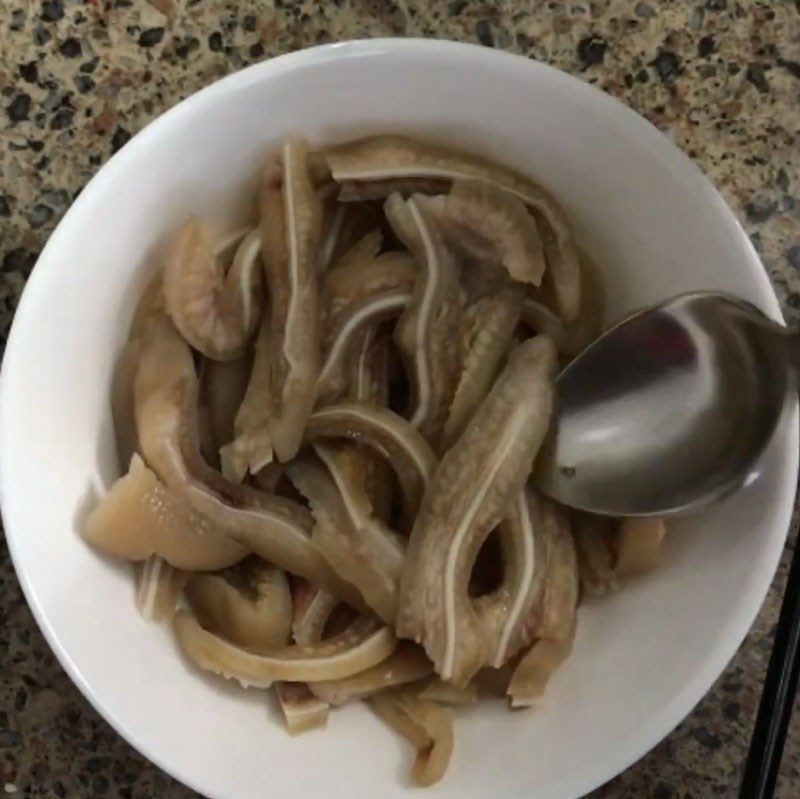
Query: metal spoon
669, 409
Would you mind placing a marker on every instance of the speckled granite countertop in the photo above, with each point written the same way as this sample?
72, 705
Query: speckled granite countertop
79, 77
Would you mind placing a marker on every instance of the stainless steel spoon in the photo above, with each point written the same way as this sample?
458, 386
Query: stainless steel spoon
669, 409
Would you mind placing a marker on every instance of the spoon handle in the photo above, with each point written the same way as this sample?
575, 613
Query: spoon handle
777, 697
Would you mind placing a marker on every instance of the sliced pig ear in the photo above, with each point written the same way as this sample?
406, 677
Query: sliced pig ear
406, 664
487, 332
483, 220
215, 312
251, 605
468, 495
426, 331
158, 588
363, 644
250, 449
387, 434
140, 517
428, 727
291, 252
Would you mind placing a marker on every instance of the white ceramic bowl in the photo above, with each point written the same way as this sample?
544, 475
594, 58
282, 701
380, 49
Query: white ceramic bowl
643, 658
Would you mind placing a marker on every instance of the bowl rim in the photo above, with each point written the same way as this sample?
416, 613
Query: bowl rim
714, 663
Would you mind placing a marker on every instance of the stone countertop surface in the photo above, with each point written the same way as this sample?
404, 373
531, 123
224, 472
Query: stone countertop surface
78, 78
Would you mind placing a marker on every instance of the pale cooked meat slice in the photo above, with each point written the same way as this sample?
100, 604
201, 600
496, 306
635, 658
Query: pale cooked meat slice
302, 709
364, 643
222, 389
489, 223
570, 337
216, 313
639, 545
556, 629
445, 693
428, 727
488, 331
511, 613
166, 393
363, 275
406, 664
370, 378
429, 327
140, 517
249, 605
352, 323
358, 546
383, 160
593, 543
290, 231
122, 410
312, 609
250, 450
150, 304
386, 433
534, 671
364, 250
466, 498
158, 587
366, 190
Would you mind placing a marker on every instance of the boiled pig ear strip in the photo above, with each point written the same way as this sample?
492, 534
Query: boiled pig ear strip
357, 277
273, 527
363, 644
357, 545
593, 543
639, 545
406, 664
445, 693
570, 337
383, 160
556, 628
122, 407
302, 709
290, 229
353, 323
466, 498
251, 447
428, 727
370, 383
488, 331
223, 386
216, 313
251, 605
141, 517
386, 433
158, 588
427, 330
312, 609
487, 222
510, 614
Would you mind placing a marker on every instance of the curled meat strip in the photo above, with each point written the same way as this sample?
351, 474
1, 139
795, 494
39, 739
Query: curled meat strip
249, 605
363, 644
466, 498
291, 219
428, 727
216, 313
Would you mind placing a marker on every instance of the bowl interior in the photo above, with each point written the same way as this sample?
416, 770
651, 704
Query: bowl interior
656, 228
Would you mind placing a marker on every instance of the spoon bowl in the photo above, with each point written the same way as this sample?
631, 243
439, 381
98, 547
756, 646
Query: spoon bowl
669, 409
